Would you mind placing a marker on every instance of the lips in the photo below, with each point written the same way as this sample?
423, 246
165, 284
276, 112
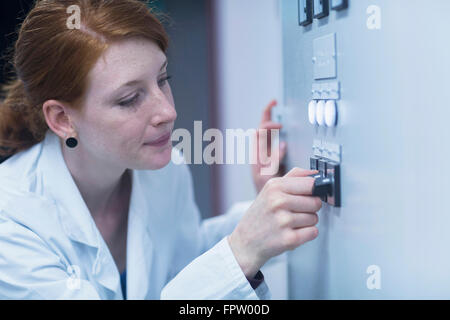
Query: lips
160, 140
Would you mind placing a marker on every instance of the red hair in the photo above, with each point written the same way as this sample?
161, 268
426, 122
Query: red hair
52, 61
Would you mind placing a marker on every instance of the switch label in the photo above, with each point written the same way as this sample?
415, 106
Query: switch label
324, 58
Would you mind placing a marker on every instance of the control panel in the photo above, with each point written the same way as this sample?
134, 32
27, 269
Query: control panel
356, 105
323, 105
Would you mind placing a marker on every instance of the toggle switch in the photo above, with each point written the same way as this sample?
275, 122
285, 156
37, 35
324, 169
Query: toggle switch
312, 112
339, 4
305, 12
322, 167
314, 163
334, 173
320, 113
327, 184
321, 8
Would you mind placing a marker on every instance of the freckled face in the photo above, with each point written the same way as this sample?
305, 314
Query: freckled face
129, 105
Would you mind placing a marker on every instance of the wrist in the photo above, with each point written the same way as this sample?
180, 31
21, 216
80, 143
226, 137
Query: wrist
248, 264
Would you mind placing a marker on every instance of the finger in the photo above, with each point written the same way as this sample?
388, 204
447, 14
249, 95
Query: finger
298, 172
297, 185
303, 220
304, 235
267, 113
265, 144
264, 148
283, 149
265, 133
270, 125
302, 204
281, 169
281, 155
299, 236
265, 141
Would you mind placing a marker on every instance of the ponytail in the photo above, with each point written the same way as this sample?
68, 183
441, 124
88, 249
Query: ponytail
21, 124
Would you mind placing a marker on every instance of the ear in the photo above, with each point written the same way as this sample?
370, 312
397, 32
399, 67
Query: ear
58, 119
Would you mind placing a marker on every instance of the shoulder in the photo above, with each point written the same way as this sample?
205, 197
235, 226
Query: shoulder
19, 172
19, 179
29, 226
26, 208
21, 191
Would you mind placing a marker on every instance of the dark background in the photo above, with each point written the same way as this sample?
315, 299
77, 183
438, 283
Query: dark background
12, 13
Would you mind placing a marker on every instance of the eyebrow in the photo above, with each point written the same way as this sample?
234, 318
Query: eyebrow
135, 82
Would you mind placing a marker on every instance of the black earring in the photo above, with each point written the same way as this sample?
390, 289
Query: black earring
71, 142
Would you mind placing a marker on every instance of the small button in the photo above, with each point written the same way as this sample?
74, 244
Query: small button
322, 167
312, 112
330, 113
320, 113
314, 163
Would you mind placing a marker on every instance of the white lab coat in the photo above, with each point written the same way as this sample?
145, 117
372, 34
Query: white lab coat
50, 247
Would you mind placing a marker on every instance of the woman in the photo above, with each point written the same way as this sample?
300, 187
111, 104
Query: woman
91, 207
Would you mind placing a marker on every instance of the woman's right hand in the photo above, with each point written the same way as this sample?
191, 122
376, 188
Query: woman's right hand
282, 217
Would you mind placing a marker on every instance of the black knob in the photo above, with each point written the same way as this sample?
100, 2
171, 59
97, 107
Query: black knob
323, 186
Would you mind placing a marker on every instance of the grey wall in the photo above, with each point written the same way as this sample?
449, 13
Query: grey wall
249, 49
393, 131
188, 64
249, 75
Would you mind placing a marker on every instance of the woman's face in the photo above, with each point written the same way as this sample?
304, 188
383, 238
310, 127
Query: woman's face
128, 104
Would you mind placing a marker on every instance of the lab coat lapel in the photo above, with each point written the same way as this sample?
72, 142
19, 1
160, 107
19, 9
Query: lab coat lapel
76, 219
140, 246
74, 214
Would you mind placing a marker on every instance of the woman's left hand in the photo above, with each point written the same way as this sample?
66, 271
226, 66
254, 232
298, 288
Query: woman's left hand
264, 149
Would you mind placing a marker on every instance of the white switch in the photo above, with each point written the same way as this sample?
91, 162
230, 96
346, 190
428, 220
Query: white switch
320, 113
312, 112
330, 113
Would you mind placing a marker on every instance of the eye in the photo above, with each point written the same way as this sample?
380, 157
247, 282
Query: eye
130, 102
133, 101
163, 81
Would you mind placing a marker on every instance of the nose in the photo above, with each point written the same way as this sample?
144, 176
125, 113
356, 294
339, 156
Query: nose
164, 111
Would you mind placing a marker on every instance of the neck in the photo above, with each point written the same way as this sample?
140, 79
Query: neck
100, 185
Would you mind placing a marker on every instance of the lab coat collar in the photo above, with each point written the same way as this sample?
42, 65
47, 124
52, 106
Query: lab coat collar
79, 225
74, 214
